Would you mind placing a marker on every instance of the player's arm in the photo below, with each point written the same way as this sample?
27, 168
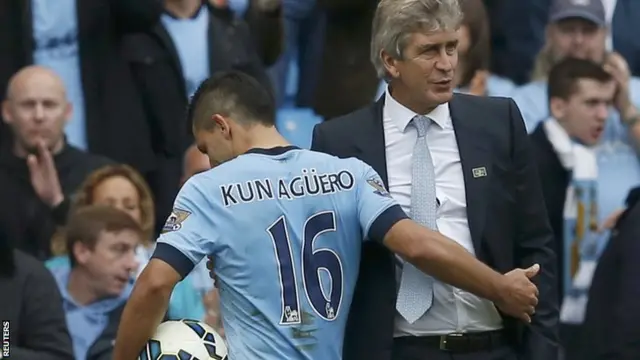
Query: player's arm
433, 253
179, 248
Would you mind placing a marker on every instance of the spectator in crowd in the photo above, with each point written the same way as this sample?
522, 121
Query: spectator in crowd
192, 40
194, 162
81, 40
304, 29
474, 53
31, 305
580, 93
611, 329
101, 242
482, 164
40, 169
124, 188
578, 29
519, 34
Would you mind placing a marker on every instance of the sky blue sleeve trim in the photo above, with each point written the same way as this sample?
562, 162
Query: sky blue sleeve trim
174, 257
383, 223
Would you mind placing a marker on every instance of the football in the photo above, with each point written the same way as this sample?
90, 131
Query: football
184, 340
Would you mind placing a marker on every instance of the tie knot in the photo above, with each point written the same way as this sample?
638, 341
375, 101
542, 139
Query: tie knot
421, 123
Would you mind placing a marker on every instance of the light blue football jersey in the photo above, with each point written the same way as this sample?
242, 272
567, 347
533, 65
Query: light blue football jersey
285, 227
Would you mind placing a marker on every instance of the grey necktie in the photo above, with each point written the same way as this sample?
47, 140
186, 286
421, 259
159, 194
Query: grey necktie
415, 295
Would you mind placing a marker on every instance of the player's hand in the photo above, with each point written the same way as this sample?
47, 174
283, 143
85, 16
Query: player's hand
44, 176
210, 267
519, 296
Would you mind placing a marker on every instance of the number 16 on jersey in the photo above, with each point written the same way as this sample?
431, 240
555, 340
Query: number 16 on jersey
312, 262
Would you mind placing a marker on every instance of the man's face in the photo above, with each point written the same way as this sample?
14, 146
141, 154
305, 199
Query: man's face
428, 66
36, 110
584, 114
577, 38
111, 262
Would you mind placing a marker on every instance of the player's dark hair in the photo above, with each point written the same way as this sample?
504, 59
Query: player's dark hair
231, 94
87, 224
564, 76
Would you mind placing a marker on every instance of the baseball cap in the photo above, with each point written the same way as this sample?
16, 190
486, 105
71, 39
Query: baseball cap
591, 10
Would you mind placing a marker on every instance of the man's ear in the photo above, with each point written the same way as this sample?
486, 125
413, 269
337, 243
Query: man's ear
557, 107
223, 124
390, 64
81, 252
6, 115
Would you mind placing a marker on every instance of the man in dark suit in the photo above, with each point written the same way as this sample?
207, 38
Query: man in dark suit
478, 178
612, 325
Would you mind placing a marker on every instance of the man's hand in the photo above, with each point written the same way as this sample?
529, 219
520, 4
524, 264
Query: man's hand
617, 66
611, 220
519, 296
44, 176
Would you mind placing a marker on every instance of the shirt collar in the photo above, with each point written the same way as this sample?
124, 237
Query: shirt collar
402, 116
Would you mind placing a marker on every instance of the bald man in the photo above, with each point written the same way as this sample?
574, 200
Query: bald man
39, 162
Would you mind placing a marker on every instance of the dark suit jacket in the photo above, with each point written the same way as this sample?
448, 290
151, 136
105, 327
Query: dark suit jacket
554, 179
611, 330
116, 126
507, 218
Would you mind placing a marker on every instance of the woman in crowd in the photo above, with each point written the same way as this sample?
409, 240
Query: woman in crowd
124, 188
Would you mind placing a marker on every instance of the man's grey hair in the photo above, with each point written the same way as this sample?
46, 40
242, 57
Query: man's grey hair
396, 20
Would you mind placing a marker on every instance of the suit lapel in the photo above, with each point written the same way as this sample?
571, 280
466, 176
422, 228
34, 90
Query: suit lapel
476, 162
370, 143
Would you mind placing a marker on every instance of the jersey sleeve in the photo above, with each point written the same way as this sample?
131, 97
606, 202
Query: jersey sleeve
377, 210
189, 233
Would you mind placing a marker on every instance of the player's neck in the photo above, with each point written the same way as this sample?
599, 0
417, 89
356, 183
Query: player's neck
79, 288
266, 139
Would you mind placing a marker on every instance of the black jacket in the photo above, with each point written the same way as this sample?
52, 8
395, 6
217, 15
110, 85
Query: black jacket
32, 305
28, 221
611, 330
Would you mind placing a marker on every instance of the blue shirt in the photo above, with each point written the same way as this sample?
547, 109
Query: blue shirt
55, 31
285, 227
85, 322
191, 39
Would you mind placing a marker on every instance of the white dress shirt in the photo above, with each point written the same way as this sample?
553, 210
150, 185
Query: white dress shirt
453, 310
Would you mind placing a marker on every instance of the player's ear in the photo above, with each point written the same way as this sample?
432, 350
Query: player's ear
223, 124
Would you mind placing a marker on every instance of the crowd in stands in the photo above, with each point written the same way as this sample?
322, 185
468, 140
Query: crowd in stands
95, 142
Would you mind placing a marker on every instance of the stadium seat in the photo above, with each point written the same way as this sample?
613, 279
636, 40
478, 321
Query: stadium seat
296, 125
